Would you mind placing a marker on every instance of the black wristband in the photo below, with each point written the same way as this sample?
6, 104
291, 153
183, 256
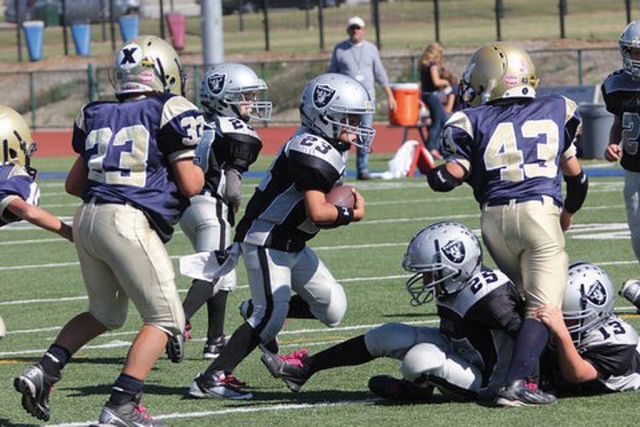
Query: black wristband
345, 216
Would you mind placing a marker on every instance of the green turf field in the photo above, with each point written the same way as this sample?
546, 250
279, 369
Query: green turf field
41, 288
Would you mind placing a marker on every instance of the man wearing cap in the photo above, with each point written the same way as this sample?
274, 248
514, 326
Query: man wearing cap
360, 59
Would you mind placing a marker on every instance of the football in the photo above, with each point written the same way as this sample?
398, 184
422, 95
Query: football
342, 196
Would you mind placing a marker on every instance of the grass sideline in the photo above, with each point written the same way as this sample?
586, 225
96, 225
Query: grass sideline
42, 288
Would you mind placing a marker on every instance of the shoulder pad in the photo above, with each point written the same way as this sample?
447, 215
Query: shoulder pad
620, 80
229, 126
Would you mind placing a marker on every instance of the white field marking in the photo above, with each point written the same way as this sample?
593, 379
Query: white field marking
84, 297
237, 410
118, 343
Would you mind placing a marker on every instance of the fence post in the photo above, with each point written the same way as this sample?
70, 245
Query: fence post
196, 83
580, 67
32, 100
90, 82
436, 18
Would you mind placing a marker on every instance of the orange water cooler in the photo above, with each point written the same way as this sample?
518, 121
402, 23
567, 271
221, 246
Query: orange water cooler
407, 111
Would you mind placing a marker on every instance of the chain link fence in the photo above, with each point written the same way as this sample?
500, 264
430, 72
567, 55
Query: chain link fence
52, 99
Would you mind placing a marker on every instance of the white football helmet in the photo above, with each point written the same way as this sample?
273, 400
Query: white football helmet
630, 49
234, 90
15, 136
498, 70
147, 64
588, 299
332, 103
443, 256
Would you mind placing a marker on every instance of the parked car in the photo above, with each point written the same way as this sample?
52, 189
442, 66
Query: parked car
248, 6
75, 10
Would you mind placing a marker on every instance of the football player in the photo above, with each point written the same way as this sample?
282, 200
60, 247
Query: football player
593, 351
480, 314
513, 149
287, 209
231, 95
621, 92
19, 192
135, 173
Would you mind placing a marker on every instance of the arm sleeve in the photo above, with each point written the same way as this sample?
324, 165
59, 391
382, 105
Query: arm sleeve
311, 173
378, 68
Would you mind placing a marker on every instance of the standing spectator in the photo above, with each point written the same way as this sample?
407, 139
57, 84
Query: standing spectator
231, 95
620, 91
287, 209
431, 83
19, 192
135, 173
513, 149
360, 60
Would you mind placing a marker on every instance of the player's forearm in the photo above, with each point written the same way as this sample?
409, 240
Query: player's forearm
573, 367
41, 218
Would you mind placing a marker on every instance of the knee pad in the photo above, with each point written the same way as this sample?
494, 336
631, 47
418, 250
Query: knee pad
331, 314
423, 359
390, 340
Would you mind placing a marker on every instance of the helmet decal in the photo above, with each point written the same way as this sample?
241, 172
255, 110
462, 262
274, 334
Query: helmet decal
322, 95
597, 294
130, 56
216, 83
454, 251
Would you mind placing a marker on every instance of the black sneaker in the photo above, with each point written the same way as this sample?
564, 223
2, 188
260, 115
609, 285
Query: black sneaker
220, 384
363, 176
175, 345
130, 414
35, 386
213, 347
246, 308
391, 388
292, 368
523, 393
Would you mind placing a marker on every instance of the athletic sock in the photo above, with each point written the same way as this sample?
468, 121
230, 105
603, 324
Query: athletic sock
199, 292
216, 309
243, 341
348, 353
532, 338
54, 360
125, 389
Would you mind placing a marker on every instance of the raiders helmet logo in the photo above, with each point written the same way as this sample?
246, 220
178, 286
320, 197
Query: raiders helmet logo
322, 95
597, 294
216, 83
454, 251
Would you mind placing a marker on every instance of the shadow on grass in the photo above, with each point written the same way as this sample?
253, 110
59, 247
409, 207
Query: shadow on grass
412, 314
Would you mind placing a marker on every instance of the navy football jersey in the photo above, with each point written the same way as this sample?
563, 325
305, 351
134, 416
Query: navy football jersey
15, 182
514, 150
482, 322
128, 147
236, 146
276, 216
622, 98
612, 349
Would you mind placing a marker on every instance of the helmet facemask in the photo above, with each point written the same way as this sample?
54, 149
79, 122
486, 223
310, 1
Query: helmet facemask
629, 43
443, 256
332, 106
234, 90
